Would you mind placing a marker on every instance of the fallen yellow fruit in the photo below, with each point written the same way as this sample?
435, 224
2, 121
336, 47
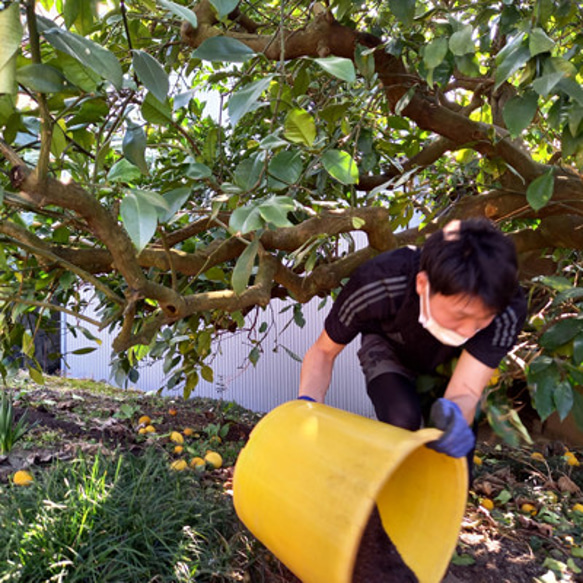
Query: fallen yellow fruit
188, 431
214, 459
150, 429
537, 456
172, 411
178, 449
142, 430
144, 420
571, 459
179, 465
578, 507
528, 508
195, 462
22, 478
177, 437
477, 460
487, 504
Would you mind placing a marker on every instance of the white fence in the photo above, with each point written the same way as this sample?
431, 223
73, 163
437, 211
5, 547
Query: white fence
271, 382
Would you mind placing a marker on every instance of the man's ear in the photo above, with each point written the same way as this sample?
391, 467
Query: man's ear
421, 282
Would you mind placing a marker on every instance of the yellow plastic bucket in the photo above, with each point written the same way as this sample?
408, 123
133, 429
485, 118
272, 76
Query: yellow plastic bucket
308, 478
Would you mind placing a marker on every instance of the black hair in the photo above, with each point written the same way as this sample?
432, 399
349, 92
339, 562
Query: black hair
476, 259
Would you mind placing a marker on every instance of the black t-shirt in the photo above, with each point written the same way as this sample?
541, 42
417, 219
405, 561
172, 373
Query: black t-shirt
380, 298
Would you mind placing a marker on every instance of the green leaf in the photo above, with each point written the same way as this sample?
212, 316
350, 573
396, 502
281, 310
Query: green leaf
11, 34
560, 333
151, 74
572, 89
540, 190
254, 355
247, 99
175, 199
519, 111
461, 42
41, 78
244, 266
340, 67
78, 74
546, 83
539, 42
341, 166
180, 11
139, 217
245, 219
404, 10
563, 397
275, 210
223, 49
87, 52
249, 172
578, 349
198, 171
134, 146
405, 100
543, 395
36, 375
512, 63
435, 52
207, 373
156, 112
224, 7
285, 169
124, 171
300, 127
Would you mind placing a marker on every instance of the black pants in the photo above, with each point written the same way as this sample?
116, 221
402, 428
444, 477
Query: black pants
396, 401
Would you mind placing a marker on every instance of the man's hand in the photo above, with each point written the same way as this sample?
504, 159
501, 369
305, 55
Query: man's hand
457, 439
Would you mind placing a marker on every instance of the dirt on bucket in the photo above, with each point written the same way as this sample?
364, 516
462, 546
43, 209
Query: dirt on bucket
378, 559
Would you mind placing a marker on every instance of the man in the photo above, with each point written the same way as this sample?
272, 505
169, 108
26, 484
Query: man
417, 309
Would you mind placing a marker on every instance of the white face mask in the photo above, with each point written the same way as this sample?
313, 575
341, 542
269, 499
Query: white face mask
444, 335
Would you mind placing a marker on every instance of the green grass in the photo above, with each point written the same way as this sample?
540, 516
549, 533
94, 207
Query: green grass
119, 518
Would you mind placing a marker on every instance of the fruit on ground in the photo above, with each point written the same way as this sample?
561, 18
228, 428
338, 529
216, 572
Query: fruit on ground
22, 478
214, 459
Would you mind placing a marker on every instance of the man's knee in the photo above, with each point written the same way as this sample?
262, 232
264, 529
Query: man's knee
395, 400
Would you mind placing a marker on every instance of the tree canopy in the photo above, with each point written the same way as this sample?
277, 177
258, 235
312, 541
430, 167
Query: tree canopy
390, 118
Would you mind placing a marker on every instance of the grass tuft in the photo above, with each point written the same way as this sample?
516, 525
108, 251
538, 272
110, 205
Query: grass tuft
119, 518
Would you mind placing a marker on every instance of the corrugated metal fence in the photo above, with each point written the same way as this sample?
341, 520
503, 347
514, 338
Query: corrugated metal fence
271, 382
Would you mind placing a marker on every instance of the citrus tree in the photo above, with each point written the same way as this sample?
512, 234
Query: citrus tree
188, 162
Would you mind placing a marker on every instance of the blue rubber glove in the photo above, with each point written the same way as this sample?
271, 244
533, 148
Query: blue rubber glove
306, 398
457, 439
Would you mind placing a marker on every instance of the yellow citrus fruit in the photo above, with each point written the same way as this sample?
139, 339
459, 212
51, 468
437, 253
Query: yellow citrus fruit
179, 465
477, 460
196, 462
487, 504
144, 420
578, 508
539, 457
528, 508
172, 411
188, 431
177, 437
494, 378
214, 459
142, 430
571, 459
150, 429
178, 449
22, 478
